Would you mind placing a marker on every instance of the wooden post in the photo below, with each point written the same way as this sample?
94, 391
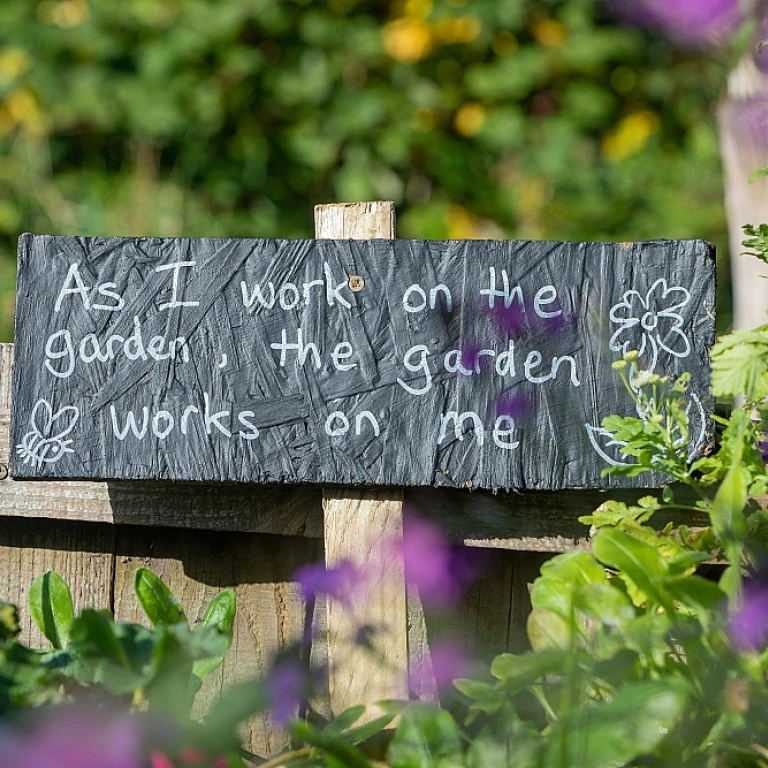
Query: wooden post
743, 147
359, 522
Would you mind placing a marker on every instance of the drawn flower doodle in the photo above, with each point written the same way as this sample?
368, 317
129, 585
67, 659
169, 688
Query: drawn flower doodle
44, 443
651, 323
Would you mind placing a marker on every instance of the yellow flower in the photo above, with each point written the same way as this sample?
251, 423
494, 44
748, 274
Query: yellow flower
470, 119
419, 9
458, 29
549, 32
64, 13
462, 225
14, 62
407, 40
631, 135
22, 109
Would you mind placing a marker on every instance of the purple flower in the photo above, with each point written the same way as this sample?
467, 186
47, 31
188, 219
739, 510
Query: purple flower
520, 318
513, 403
440, 572
339, 582
511, 320
438, 668
748, 118
470, 356
73, 738
748, 627
286, 688
691, 23
448, 663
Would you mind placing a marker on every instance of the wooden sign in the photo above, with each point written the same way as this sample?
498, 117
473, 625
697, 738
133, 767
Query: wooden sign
452, 363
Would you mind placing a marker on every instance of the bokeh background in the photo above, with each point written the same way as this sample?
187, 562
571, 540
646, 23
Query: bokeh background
480, 118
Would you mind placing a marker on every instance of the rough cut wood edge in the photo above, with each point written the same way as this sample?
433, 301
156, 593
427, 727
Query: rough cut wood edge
361, 524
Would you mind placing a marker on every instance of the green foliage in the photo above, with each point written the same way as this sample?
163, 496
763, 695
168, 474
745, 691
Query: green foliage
426, 736
50, 605
636, 659
529, 119
160, 667
740, 364
156, 599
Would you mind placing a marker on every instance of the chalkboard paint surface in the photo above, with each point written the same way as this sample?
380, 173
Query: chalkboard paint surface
456, 363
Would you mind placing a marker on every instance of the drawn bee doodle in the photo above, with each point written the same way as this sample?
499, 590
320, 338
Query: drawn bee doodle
44, 443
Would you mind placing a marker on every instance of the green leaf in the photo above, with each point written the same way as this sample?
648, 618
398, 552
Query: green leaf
160, 606
577, 568
620, 731
605, 603
727, 511
93, 635
555, 595
220, 614
366, 731
221, 611
50, 604
9, 622
740, 364
549, 630
343, 754
345, 720
519, 671
636, 559
695, 591
426, 736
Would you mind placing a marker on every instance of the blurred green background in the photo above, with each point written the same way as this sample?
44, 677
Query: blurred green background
480, 118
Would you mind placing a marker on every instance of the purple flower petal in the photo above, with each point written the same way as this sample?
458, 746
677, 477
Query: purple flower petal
748, 627
286, 687
691, 23
444, 662
73, 738
339, 581
514, 403
440, 572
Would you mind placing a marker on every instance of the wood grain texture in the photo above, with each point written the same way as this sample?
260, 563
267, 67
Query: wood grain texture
196, 565
742, 147
525, 571
82, 554
464, 364
474, 630
364, 526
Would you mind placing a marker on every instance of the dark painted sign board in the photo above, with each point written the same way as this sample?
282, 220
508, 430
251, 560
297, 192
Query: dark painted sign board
410, 363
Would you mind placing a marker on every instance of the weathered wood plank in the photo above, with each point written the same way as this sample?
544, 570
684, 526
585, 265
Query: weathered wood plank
525, 571
357, 524
196, 565
82, 554
472, 631
270, 617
